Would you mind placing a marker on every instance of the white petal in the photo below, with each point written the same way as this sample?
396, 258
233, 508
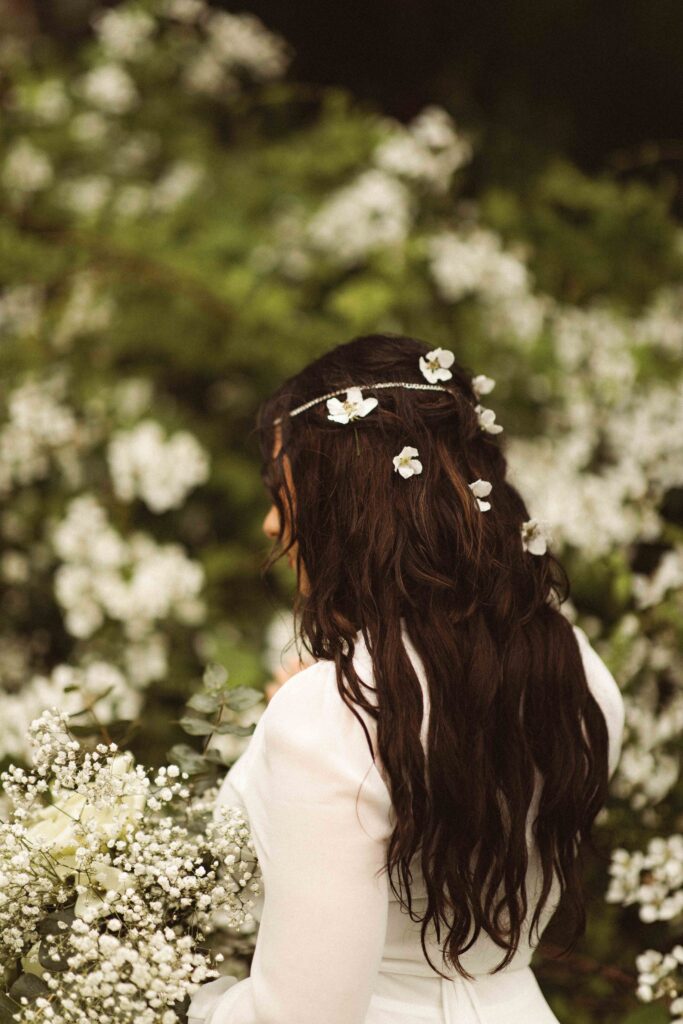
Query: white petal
537, 545
427, 371
335, 406
409, 452
354, 395
405, 470
367, 405
480, 488
417, 465
442, 374
483, 505
482, 384
446, 357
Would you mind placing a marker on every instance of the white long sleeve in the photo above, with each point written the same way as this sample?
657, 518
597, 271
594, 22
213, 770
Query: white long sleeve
324, 916
605, 689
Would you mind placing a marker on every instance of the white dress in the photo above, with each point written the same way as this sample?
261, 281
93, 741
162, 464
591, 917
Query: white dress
334, 946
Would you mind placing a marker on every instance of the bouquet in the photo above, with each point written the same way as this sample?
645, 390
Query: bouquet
111, 877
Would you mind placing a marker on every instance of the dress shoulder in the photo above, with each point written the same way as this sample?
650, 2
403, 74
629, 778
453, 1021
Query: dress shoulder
309, 733
606, 691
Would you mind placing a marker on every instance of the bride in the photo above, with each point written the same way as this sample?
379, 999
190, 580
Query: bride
419, 793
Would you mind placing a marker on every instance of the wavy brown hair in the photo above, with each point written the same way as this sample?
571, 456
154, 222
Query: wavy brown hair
507, 688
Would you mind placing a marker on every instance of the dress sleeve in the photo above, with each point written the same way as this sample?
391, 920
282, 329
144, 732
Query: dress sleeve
321, 852
605, 689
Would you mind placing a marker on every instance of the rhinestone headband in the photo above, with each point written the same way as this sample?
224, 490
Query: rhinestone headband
365, 387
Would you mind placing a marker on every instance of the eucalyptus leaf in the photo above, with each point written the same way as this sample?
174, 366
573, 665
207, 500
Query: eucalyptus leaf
196, 726
205, 702
47, 960
243, 697
7, 1008
216, 757
28, 986
50, 925
234, 729
187, 758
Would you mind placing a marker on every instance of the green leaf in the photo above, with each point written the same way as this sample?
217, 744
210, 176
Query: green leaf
47, 960
7, 1008
234, 729
50, 925
196, 726
243, 697
28, 986
216, 757
204, 702
187, 758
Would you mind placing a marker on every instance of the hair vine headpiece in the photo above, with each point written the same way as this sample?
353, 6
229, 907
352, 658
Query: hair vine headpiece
368, 387
434, 366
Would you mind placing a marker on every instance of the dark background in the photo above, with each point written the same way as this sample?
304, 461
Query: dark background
599, 81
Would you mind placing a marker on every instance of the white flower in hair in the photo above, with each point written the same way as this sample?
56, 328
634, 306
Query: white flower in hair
482, 384
487, 420
480, 489
435, 364
353, 406
406, 462
534, 537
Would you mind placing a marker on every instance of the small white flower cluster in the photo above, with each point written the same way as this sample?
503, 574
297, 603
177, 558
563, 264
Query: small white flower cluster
87, 309
371, 213
428, 150
21, 309
376, 210
160, 470
109, 88
26, 169
651, 590
71, 688
474, 261
653, 879
647, 770
180, 180
40, 428
235, 44
113, 874
124, 33
135, 581
661, 974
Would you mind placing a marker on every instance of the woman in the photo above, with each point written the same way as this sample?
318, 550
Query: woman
418, 794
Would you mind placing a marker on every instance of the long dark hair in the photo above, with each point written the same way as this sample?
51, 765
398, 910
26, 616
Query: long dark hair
507, 689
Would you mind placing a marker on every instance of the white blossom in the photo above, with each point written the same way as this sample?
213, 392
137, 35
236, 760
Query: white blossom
110, 88
135, 581
160, 470
353, 406
429, 150
487, 419
534, 537
481, 489
26, 168
123, 33
178, 182
406, 462
373, 212
435, 365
